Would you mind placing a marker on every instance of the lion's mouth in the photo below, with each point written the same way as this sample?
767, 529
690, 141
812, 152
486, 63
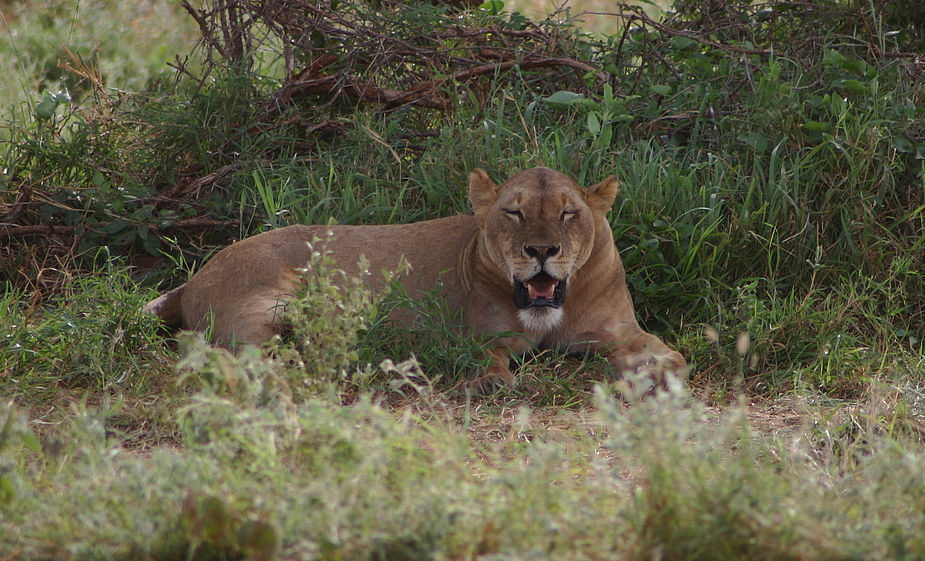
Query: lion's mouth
540, 290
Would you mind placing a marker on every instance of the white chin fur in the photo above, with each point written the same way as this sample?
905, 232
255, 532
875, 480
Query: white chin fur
540, 320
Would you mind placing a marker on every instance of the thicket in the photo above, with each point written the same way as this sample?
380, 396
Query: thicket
771, 157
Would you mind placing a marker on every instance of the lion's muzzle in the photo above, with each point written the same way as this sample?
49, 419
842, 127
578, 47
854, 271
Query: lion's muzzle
541, 290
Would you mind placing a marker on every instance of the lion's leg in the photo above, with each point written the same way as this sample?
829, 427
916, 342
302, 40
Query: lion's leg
254, 321
168, 307
498, 374
632, 350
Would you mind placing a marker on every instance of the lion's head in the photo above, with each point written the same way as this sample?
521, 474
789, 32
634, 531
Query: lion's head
538, 229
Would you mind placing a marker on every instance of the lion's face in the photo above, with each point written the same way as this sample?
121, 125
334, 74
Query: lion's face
538, 229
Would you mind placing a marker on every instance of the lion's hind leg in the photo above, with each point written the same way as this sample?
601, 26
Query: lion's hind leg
253, 321
168, 307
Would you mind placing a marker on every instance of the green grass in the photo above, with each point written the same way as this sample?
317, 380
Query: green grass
770, 219
348, 482
91, 335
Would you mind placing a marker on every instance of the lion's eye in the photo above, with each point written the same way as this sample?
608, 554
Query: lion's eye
567, 215
514, 213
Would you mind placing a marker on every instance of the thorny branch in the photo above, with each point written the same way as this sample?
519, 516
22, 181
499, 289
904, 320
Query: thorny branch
365, 58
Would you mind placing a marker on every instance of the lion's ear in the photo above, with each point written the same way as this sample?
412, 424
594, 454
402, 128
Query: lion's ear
600, 197
482, 192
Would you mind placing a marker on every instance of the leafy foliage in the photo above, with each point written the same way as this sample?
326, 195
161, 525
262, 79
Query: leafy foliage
328, 317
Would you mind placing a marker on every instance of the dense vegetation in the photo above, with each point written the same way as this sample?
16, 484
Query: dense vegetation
772, 163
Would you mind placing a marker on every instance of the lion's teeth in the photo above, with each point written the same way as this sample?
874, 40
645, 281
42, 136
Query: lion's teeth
544, 290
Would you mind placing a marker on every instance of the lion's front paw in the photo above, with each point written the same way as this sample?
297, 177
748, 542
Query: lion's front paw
488, 384
644, 373
650, 363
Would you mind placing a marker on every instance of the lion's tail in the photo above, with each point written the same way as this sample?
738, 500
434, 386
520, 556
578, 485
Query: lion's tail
167, 307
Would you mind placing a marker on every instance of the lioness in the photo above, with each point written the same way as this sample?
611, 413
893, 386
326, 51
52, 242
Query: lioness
537, 258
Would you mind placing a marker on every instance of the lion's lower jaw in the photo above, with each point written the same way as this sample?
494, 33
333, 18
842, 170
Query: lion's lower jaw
540, 319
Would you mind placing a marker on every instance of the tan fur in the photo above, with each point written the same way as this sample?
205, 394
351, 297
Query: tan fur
539, 222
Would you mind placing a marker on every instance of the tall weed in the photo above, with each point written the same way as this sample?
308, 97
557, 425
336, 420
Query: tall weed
673, 479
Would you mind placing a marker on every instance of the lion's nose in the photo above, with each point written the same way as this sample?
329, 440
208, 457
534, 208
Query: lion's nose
541, 252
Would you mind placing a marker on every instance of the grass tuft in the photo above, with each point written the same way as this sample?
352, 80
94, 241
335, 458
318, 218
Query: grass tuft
96, 338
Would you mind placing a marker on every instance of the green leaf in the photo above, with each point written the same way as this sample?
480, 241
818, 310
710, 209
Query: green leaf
855, 66
856, 86
517, 22
125, 238
589, 103
833, 58
754, 139
562, 100
816, 126
61, 97
45, 110
493, 7
774, 69
680, 42
660, 89
605, 138
594, 124
116, 226
901, 144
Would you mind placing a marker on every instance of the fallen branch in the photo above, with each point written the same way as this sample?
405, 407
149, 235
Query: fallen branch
195, 222
36, 230
423, 94
22, 201
191, 223
182, 188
